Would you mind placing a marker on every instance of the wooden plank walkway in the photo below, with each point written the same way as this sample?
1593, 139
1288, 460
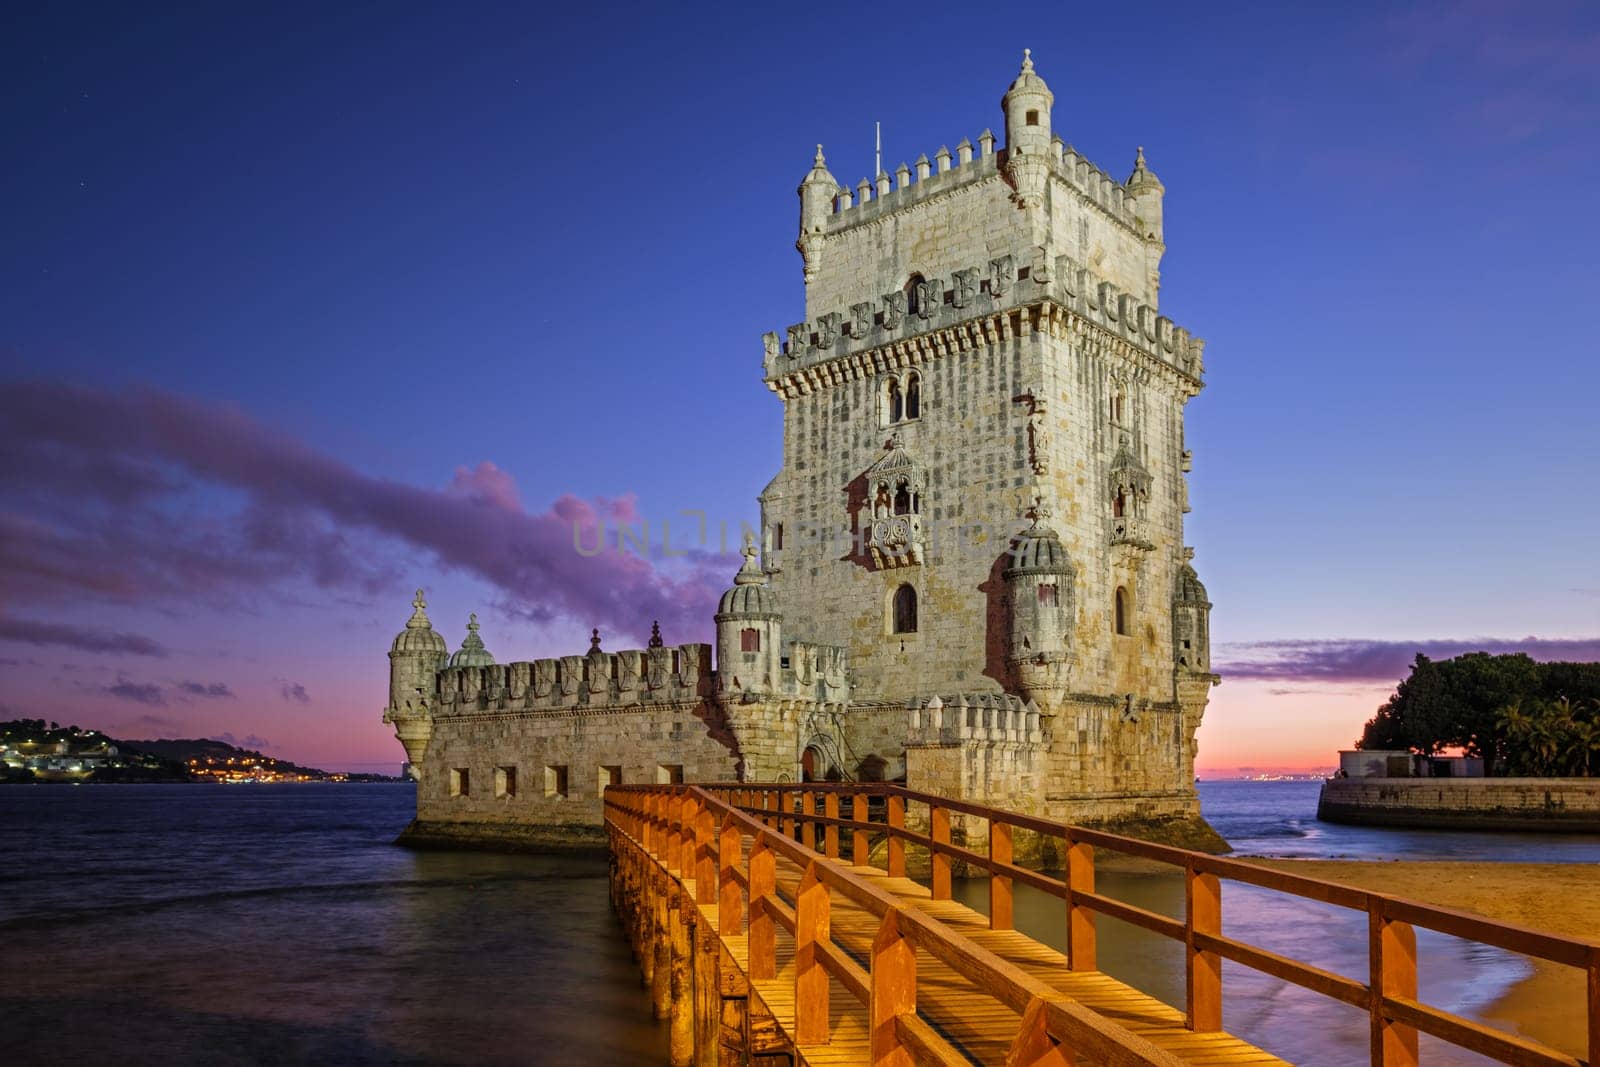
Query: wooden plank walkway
978, 1025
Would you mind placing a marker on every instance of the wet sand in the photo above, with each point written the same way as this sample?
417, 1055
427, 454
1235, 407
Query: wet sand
1562, 898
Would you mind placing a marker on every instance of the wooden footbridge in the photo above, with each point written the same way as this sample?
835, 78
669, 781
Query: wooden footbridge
764, 950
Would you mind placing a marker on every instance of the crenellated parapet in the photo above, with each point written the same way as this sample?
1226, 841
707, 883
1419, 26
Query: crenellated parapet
947, 174
978, 305
991, 718
818, 673
599, 680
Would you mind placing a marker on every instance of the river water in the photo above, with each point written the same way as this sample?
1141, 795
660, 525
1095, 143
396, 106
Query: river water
271, 924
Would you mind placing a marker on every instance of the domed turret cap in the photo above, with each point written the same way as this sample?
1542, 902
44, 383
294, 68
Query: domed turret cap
819, 174
750, 595
1027, 81
1142, 177
419, 634
1038, 549
472, 653
1189, 590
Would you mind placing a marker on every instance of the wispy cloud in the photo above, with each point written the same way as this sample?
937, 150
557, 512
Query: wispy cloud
250, 741
36, 632
115, 498
209, 690
138, 692
296, 693
1355, 660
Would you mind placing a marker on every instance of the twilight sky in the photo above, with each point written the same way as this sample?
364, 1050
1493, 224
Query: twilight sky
303, 308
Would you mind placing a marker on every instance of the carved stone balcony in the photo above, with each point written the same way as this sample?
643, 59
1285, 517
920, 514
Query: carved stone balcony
895, 541
1131, 530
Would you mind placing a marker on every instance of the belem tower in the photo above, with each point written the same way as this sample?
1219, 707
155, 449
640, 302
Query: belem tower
970, 575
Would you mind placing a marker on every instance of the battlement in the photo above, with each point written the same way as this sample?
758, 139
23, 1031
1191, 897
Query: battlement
992, 718
816, 672
872, 200
595, 681
853, 336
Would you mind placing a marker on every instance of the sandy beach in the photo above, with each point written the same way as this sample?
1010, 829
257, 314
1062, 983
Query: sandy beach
1564, 898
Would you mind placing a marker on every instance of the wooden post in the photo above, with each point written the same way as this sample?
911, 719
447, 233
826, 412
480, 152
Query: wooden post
705, 875
661, 970
730, 917
786, 802
999, 884
671, 838
896, 810
830, 836
649, 819
860, 843
687, 819
939, 818
1203, 915
1392, 955
680, 1042
894, 993
763, 940
810, 977
1033, 1046
1080, 920
1594, 1005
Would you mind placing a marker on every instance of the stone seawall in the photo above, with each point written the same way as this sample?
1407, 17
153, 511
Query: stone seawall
1562, 805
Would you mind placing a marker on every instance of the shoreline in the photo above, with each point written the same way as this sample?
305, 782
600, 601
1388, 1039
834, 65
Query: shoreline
1548, 1003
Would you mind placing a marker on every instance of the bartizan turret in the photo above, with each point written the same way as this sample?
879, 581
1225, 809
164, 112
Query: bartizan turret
1039, 592
817, 192
416, 656
1028, 149
749, 631
1191, 622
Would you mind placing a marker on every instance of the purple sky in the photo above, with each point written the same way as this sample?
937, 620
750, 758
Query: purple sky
301, 311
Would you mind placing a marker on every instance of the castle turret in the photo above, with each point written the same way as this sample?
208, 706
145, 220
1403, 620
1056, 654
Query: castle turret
1027, 107
414, 661
472, 653
1191, 623
1147, 193
816, 204
1039, 591
749, 630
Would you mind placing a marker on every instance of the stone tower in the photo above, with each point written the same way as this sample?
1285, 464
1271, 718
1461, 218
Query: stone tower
982, 344
414, 661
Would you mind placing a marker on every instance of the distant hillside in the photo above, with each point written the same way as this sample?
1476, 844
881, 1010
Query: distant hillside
203, 750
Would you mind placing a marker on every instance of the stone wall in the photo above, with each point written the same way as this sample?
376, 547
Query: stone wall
1570, 805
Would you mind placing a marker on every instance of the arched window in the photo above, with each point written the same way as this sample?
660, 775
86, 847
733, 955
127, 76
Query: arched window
913, 397
1116, 407
1118, 505
1047, 595
902, 499
1122, 610
905, 610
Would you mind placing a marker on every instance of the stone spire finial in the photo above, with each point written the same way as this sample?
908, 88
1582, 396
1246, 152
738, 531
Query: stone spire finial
819, 161
1027, 61
1039, 511
594, 641
655, 627
419, 617
751, 573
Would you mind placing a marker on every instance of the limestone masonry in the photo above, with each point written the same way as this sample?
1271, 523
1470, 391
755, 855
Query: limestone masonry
971, 575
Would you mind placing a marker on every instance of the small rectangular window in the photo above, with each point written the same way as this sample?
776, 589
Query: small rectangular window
1033, 118
1047, 596
505, 782
611, 775
750, 640
460, 782
555, 781
669, 774
777, 535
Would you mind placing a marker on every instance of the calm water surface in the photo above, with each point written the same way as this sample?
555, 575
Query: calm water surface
262, 924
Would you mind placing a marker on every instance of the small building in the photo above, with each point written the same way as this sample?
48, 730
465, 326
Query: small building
1401, 763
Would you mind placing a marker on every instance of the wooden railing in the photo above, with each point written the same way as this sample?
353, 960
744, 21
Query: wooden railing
700, 832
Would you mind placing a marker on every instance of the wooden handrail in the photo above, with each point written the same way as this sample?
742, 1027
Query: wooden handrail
1389, 995
886, 988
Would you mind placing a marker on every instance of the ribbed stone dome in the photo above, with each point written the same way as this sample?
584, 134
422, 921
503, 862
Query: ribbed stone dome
472, 653
419, 634
1038, 550
749, 595
1189, 590
1027, 81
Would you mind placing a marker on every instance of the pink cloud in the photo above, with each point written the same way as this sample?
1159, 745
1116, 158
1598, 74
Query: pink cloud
160, 525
